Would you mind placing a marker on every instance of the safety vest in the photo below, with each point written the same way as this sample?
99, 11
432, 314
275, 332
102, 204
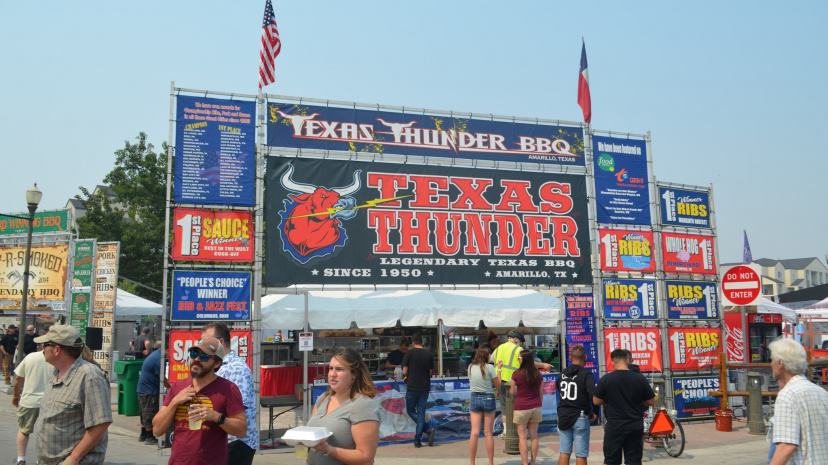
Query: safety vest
508, 352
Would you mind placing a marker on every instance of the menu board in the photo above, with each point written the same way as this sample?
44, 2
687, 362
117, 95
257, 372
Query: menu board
580, 328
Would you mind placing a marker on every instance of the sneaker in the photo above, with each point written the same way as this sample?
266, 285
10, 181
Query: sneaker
151, 440
431, 437
22, 462
142, 438
418, 444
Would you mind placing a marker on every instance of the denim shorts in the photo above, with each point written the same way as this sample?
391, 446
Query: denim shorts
482, 402
578, 435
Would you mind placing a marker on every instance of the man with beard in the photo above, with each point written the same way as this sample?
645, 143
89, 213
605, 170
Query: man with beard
206, 399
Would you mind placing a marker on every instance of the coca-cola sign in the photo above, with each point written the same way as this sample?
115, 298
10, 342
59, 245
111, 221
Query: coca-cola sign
735, 336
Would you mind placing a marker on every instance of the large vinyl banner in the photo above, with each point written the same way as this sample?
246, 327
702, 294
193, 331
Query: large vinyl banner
630, 299
349, 222
182, 340
692, 396
352, 130
106, 275
682, 207
626, 250
622, 192
210, 235
47, 272
211, 295
43, 222
692, 300
581, 329
215, 151
642, 342
688, 253
694, 348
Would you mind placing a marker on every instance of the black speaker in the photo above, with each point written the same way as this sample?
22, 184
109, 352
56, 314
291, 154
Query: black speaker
94, 338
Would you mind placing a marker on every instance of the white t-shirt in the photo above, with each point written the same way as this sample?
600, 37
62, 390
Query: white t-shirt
37, 373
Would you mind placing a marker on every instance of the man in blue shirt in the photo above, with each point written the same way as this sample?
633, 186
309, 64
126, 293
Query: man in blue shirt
148, 391
240, 450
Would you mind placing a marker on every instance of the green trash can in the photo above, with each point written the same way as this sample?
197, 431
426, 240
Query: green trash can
128, 372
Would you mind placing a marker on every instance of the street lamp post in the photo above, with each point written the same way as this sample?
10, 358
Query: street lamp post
33, 196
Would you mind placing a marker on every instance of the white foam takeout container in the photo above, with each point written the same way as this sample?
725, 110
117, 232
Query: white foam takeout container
307, 436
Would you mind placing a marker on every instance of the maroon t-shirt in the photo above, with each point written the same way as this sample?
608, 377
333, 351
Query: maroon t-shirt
526, 397
207, 446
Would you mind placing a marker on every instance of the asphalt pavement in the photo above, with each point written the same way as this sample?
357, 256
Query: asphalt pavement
704, 445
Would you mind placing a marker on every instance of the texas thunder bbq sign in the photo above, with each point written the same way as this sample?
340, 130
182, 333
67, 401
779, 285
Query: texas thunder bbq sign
339, 222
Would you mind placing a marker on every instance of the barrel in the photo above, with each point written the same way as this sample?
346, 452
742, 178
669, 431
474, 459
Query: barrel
724, 420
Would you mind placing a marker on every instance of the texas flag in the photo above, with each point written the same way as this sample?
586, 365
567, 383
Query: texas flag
584, 99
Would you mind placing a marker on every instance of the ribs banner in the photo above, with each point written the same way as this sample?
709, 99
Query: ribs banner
351, 222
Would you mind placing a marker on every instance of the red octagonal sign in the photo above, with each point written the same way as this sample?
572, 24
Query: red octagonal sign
741, 285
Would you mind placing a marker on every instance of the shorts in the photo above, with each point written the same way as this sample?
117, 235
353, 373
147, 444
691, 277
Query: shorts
632, 443
482, 402
148, 407
523, 417
26, 418
577, 435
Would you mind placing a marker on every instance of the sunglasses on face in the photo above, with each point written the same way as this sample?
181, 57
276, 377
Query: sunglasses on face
49, 344
203, 357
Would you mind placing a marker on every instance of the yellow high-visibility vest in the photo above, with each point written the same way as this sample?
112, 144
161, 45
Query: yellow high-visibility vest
508, 352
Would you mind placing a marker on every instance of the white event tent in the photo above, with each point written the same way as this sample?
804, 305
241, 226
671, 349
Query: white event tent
382, 309
130, 305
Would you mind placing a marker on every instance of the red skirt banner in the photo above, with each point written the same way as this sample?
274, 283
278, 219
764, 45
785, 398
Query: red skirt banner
694, 348
212, 236
644, 343
688, 253
181, 340
627, 250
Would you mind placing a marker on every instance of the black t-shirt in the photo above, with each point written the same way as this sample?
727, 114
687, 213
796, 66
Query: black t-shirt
29, 345
624, 391
576, 385
395, 357
10, 342
140, 346
420, 363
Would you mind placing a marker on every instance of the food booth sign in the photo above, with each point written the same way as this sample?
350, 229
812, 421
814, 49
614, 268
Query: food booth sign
688, 253
692, 300
182, 340
626, 250
351, 222
211, 295
644, 343
630, 299
47, 272
694, 348
210, 235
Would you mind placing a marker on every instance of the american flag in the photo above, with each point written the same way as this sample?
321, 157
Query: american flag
271, 46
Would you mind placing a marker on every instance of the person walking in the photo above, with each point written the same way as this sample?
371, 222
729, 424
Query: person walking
418, 365
148, 391
240, 450
349, 411
800, 427
624, 393
576, 385
76, 411
203, 409
31, 378
482, 376
7, 348
527, 389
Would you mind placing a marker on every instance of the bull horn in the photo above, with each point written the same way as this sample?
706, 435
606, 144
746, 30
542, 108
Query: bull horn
290, 185
343, 191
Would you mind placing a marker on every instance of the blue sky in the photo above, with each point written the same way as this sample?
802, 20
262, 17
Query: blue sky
734, 93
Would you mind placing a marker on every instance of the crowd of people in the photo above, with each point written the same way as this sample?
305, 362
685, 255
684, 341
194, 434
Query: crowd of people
212, 414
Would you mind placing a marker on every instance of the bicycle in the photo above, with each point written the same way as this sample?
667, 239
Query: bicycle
663, 429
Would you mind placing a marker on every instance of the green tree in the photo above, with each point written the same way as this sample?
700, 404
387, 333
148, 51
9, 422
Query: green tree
136, 217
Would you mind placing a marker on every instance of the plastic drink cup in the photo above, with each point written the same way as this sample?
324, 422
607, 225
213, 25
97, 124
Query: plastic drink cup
194, 424
300, 451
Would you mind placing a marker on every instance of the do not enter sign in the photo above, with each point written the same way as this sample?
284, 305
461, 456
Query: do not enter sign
741, 286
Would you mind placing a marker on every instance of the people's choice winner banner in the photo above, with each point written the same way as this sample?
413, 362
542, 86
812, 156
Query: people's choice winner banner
683, 207
209, 235
622, 192
215, 151
644, 344
692, 396
47, 272
211, 295
350, 222
694, 348
630, 299
623, 250
688, 253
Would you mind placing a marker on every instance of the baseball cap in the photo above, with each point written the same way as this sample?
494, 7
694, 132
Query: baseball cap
64, 335
211, 346
516, 334
12, 327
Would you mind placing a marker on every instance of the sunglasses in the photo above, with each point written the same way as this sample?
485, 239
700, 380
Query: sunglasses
50, 344
203, 357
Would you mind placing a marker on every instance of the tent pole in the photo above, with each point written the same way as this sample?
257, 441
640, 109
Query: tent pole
307, 393
440, 346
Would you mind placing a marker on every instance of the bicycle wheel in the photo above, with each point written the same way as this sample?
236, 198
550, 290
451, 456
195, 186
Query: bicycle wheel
674, 445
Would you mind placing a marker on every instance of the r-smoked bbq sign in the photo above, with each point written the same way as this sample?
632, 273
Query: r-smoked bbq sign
350, 222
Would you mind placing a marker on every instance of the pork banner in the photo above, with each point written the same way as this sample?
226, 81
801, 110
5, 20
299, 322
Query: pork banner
644, 343
386, 132
688, 253
351, 222
694, 348
626, 250
692, 300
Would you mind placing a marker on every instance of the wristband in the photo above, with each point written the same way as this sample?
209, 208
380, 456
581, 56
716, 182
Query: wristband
330, 449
